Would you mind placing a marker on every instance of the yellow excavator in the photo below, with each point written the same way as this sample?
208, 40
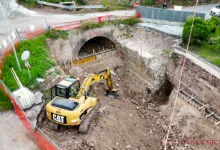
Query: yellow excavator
72, 104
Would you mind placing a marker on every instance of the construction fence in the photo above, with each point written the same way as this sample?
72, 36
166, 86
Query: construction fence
39, 137
165, 16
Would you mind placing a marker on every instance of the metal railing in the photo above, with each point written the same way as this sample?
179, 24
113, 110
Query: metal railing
71, 7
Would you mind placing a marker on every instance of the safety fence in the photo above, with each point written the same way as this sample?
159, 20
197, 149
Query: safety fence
88, 58
159, 15
76, 24
39, 137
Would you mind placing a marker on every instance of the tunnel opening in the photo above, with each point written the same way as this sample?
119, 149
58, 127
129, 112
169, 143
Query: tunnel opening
95, 45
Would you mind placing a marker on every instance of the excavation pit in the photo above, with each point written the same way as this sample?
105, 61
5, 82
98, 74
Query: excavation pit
123, 123
139, 117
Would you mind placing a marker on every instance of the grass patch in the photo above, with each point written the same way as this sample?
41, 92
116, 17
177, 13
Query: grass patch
28, 3
167, 51
5, 103
33, 3
208, 52
87, 25
209, 47
130, 21
92, 25
38, 60
55, 34
116, 5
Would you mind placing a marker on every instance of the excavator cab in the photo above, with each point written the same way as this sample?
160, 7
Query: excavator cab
71, 102
68, 87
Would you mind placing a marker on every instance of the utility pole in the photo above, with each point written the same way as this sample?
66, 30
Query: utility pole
9, 36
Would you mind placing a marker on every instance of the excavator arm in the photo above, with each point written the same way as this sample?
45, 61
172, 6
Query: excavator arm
97, 77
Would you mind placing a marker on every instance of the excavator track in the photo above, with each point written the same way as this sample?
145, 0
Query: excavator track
84, 126
54, 126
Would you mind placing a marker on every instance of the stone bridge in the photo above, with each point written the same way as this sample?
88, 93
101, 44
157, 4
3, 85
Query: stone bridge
85, 42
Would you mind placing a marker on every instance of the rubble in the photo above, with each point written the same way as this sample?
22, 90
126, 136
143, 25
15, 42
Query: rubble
38, 97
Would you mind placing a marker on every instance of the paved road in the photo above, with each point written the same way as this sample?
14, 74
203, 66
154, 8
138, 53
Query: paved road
201, 8
22, 18
13, 135
174, 29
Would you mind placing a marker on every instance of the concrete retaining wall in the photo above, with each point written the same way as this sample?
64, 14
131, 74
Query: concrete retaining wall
150, 70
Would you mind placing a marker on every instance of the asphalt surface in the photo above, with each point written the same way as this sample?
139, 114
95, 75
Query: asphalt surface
201, 8
22, 18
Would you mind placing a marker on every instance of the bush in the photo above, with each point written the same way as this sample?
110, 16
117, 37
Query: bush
55, 34
91, 25
116, 5
33, 3
200, 31
29, 3
130, 21
213, 23
150, 2
87, 25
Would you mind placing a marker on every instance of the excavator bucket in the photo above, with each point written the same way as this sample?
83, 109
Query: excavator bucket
112, 93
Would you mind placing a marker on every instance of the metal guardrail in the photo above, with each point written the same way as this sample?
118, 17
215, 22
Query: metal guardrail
72, 7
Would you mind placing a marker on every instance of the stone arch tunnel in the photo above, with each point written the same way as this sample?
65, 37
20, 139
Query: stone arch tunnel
96, 44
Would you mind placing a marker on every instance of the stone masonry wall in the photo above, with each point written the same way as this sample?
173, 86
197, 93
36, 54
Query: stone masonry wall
195, 79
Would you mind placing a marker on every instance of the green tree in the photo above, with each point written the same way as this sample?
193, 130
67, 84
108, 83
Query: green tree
200, 31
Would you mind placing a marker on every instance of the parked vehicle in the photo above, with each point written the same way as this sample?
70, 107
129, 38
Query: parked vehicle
215, 11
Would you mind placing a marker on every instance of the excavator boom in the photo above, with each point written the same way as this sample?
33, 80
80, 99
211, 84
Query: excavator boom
96, 77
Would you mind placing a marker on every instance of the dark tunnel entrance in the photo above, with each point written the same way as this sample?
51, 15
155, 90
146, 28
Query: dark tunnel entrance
96, 45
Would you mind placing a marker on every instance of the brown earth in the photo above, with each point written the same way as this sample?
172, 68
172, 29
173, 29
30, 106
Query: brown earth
137, 119
121, 123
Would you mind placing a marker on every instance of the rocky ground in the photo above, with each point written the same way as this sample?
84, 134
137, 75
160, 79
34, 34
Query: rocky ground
137, 119
128, 122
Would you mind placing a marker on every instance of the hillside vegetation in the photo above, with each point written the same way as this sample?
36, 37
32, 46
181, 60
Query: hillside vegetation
38, 60
205, 39
122, 4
